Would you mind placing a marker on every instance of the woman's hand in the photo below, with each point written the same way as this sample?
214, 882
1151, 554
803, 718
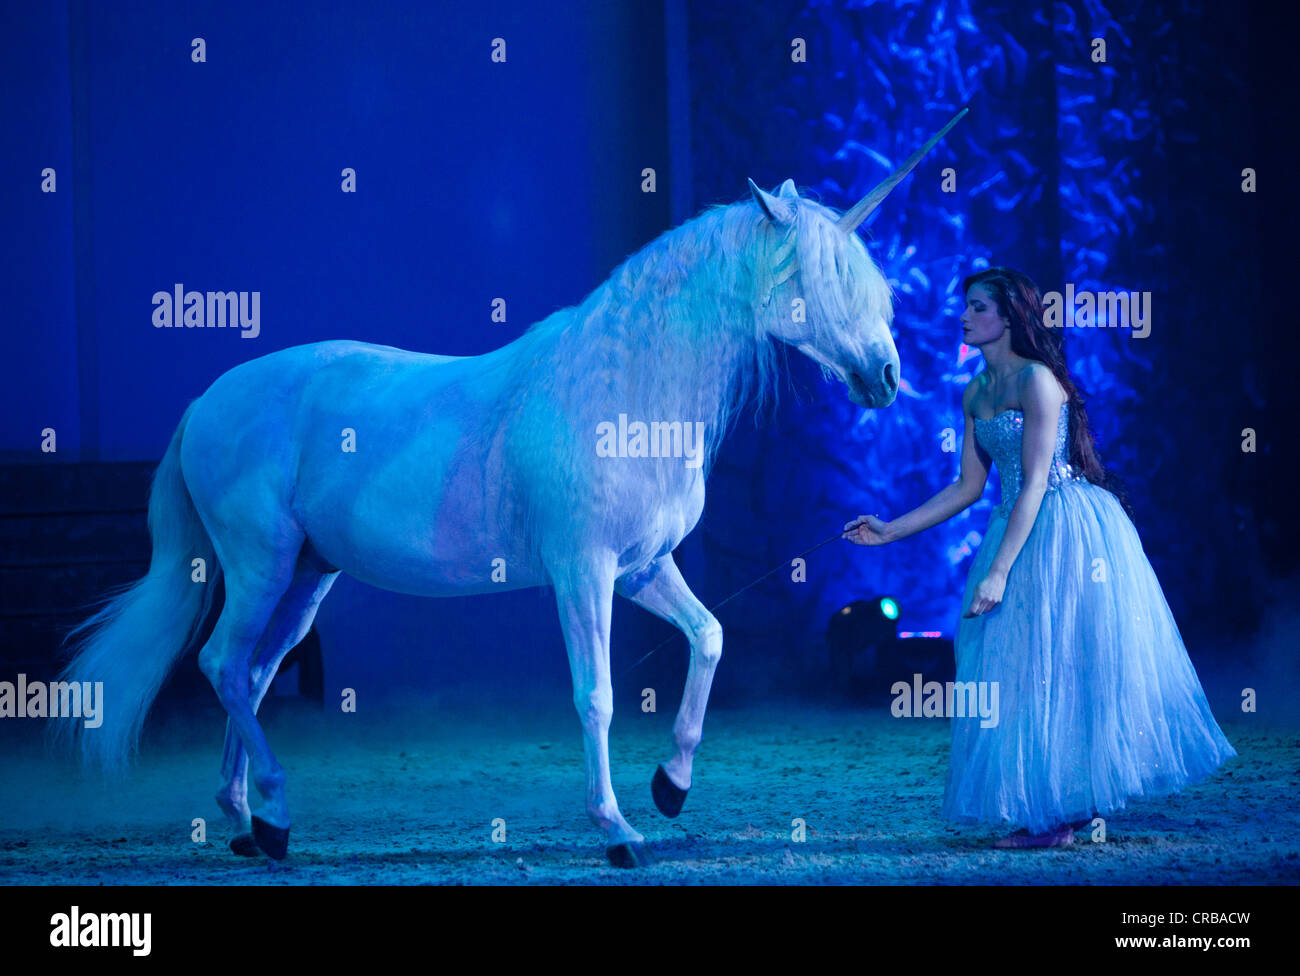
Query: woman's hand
988, 594
867, 530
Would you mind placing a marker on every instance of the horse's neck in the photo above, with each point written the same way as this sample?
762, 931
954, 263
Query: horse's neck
662, 339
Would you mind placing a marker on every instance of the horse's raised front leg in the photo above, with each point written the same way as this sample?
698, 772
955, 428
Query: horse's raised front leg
662, 591
584, 595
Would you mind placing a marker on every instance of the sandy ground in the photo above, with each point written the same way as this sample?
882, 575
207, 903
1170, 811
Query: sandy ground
402, 801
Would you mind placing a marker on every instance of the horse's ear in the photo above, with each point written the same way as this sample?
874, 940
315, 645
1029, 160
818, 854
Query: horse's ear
779, 209
788, 191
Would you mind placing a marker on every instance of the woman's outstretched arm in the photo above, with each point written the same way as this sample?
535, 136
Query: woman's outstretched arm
1040, 396
867, 530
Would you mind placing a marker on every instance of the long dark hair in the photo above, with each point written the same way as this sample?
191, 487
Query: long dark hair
1020, 302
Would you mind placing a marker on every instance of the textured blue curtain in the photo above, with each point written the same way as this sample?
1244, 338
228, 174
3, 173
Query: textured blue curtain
1072, 169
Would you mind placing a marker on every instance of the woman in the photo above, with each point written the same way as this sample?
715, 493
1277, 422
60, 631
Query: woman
1097, 700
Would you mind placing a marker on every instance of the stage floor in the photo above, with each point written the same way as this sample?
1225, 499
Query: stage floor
410, 796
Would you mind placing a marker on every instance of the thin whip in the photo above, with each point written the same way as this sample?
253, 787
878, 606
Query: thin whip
837, 535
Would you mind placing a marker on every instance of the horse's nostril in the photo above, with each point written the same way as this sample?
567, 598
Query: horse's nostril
891, 377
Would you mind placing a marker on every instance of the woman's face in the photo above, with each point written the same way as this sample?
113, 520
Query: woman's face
981, 323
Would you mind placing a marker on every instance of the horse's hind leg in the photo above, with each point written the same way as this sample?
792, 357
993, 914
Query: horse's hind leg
292, 619
232, 796
257, 577
662, 591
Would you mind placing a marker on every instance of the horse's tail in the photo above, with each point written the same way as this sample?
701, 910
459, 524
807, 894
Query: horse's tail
141, 630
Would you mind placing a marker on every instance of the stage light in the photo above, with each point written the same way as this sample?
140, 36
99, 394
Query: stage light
856, 632
867, 652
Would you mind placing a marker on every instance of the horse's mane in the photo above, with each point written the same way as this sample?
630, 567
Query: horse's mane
677, 318
672, 334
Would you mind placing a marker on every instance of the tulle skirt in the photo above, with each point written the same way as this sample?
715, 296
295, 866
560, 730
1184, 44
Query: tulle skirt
1097, 700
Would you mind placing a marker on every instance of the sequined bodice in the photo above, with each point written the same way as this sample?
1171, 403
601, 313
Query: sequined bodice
1001, 437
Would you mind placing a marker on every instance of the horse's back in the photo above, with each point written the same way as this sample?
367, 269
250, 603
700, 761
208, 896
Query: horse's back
251, 422
382, 457
288, 376
305, 360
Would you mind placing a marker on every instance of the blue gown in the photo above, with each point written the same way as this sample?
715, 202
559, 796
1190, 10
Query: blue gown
1097, 700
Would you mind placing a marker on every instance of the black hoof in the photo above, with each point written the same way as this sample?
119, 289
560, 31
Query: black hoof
668, 796
245, 846
273, 840
629, 855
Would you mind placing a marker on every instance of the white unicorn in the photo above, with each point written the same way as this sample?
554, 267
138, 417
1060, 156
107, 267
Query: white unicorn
442, 475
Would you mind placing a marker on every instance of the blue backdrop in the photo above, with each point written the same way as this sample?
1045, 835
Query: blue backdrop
477, 179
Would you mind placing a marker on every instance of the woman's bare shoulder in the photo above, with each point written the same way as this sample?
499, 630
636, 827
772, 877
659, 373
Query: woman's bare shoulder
1038, 377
